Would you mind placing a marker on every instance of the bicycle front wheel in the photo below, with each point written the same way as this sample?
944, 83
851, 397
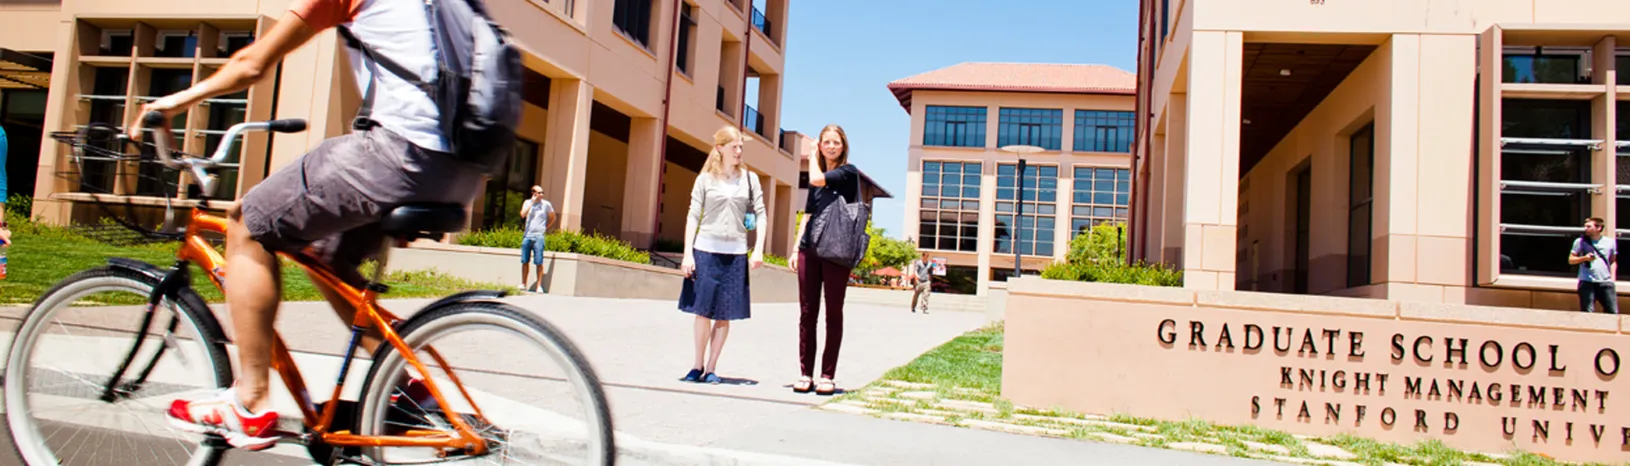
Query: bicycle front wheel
548, 409
91, 371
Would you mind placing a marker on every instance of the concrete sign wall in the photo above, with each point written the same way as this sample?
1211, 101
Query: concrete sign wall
1479, 378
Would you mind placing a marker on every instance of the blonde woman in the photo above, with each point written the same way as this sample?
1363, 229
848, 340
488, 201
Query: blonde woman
831, 180
716, 260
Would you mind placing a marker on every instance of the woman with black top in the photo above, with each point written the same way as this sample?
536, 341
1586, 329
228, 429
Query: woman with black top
831, 180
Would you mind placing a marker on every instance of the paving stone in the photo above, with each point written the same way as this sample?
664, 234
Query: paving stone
849, 408
1112, 438
1477, 463
1328, 451
1287, 459
909, 385
1145, 435
1014, 428
1270, 448
1060, 420
913, 417
1199, 447
918, 396
967, 406
940, 413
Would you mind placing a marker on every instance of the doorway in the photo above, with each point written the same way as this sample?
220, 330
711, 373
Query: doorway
1304, 227
22, 114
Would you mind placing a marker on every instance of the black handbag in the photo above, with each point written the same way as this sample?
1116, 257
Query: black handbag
839, 232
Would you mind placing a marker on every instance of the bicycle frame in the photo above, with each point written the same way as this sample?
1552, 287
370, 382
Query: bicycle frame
196, 250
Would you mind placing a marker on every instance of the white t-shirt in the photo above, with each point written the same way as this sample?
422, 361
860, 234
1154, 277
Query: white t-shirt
398, 30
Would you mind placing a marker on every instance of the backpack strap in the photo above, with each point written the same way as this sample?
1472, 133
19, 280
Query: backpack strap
363, 121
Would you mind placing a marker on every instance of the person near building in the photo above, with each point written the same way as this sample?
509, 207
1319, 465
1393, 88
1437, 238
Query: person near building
922, 274
537, 217
1598, 259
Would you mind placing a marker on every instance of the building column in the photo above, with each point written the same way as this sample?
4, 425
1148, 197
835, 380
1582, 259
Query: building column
642, 187
1173, 192
1062, 234
1153, 228
987, 220
567, 150
786, 216
1212, 175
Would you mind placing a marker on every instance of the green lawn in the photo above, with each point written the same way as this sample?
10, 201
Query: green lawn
43, 255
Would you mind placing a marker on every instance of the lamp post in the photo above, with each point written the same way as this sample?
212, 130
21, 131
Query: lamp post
1018, 197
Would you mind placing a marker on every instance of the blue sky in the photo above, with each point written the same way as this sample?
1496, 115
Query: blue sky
841, 55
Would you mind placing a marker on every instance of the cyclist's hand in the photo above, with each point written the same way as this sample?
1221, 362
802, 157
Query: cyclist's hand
687, 266
170, 106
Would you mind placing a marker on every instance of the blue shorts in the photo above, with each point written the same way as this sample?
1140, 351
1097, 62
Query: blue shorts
532, 250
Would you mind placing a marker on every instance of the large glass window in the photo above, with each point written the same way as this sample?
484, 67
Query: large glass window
1102, 131
1544, 183
949, 215
1101, 195
1622, 162
1546, 65
1026, 223
224, 112
154, 179
954, 126
633, 18
1030, 126
1360, 205
511, 187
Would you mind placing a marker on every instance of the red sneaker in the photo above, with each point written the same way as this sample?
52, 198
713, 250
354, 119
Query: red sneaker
223, 415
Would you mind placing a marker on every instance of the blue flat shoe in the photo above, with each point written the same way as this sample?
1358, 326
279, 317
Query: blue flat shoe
712, 378
693, 376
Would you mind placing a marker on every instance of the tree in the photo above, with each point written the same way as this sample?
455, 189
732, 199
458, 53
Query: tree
883, 252
1104, 242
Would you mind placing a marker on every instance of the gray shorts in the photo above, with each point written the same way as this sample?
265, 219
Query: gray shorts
333, 197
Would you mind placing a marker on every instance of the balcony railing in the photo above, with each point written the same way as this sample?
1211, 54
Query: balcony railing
763, 24
752, 119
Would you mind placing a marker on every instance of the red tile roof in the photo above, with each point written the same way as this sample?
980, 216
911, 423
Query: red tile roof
1019, 77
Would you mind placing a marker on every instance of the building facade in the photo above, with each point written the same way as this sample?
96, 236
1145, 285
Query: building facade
963, 203
624, 97
1431, 150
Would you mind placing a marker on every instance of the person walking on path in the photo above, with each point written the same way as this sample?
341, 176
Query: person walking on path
716, 251
537, 216
1598, 259
922, 273
5, 230
831, 180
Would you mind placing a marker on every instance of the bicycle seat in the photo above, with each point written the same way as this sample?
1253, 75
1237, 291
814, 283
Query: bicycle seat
414, 221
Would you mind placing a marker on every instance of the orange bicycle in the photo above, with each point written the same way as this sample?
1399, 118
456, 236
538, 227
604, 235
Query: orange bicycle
82, 389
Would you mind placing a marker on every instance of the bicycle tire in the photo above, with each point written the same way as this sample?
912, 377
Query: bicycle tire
456, 314
25, 437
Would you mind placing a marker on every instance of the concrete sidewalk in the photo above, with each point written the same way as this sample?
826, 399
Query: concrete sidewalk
641, 347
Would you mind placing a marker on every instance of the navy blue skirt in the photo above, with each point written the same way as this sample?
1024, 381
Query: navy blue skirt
718, 289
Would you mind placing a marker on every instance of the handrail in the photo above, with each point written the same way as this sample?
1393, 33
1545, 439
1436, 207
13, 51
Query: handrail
1593, 188
1593, 144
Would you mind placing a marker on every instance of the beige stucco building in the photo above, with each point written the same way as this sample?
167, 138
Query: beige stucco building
1419, 150
624, 97
961, 180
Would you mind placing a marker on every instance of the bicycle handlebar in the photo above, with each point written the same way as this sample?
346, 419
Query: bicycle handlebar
161, 142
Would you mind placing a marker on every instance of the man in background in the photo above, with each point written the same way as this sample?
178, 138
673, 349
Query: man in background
922, 273
537, 216
1598, 259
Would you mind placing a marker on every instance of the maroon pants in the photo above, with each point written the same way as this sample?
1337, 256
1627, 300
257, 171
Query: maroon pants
813, 273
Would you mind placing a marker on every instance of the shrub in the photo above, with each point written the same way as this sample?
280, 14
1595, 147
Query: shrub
509, 237
1095, 256
774, 259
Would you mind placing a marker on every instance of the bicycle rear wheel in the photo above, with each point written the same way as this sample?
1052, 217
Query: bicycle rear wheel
64, 404
519, 406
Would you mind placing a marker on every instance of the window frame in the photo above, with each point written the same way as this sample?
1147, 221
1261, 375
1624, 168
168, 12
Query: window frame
970, 120
1018, 210
1119, 212
1359, 271
936, 215
1049, 135
1124, 129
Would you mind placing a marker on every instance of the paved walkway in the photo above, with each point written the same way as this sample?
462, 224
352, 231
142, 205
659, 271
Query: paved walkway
640, 348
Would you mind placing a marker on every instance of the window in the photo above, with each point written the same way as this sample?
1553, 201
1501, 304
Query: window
949, 219
1622, 65
233, 41
1622, 163
1360, 205
1033, 216
117, 43
1544, 183
633, 18
1548, 65
954, 126
223, 113
154, 179
177, 44
1030, 126
1101, 195
687, 27
107, 98
1103, 131
511, 187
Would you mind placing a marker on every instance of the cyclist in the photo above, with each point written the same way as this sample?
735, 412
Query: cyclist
330, 200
